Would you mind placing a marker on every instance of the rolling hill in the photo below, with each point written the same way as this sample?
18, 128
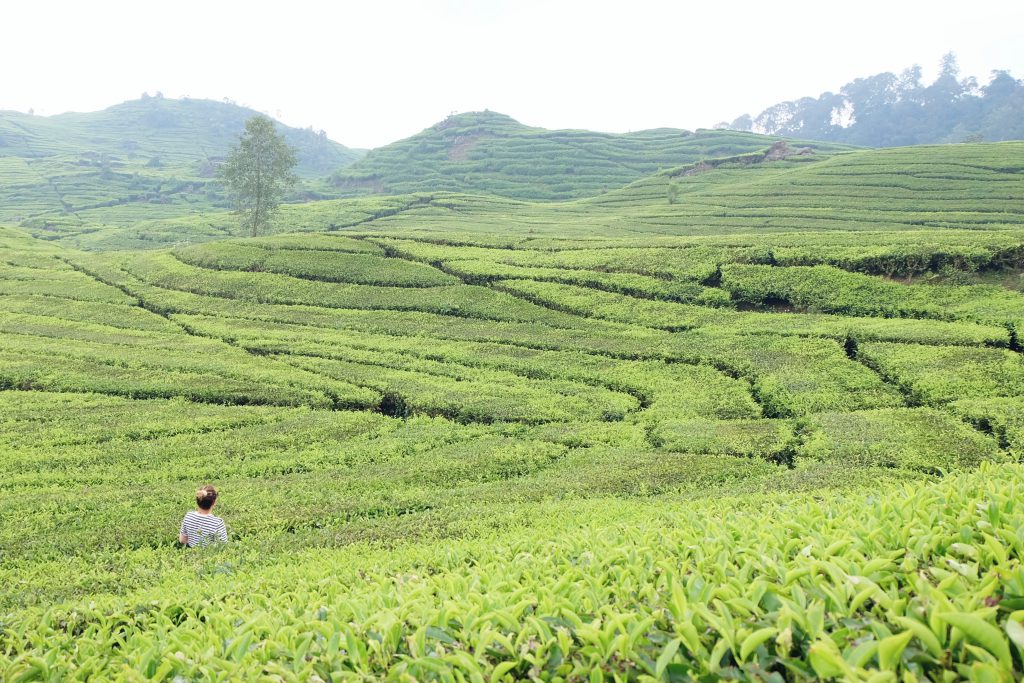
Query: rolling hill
490, 153
965, 187
143, 157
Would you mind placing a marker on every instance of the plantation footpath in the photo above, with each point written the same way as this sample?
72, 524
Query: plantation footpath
753, 418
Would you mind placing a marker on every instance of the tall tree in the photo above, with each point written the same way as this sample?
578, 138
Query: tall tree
258, 172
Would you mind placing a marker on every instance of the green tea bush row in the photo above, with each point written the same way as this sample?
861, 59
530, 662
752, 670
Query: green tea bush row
902, 580
904, 261
470, 395
357, 268
827, 289
460, 300
908, 330
791, 375
197, 369
934, 375
479, 271
771, 440
696, 262
25, 372
672, 315
670, 389
584, 301
62, 328
123, 316
64, 285
329, 266
912, 438
596, 337
42, 419
237, 447
316, 241
1002, 417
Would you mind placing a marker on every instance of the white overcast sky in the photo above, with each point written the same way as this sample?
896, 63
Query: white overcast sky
370, 73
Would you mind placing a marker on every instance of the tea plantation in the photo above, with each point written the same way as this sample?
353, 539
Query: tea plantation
488, 152
755, 419
148, 158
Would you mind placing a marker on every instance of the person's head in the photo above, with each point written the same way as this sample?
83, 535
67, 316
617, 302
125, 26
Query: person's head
206, 497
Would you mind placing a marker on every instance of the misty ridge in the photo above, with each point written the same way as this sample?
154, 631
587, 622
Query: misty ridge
891, 110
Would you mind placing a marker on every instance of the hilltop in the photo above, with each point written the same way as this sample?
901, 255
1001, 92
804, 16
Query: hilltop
154, 151
491, 153
175, 131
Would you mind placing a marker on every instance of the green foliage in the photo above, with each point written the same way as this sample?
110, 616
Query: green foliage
791, 375
663, 389
308, 263
828, 289
166, 272
887, 582
934, 375
412, 406
671, 315
414, 386
258, 172
914, 438
1002, 417
765, 439
663, 315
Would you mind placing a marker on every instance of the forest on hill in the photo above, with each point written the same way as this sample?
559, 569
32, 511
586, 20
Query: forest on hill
890, 110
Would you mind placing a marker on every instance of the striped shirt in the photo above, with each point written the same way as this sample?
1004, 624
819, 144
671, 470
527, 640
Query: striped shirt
202, 529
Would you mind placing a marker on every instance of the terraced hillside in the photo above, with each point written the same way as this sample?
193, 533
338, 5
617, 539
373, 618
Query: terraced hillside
490, 153
140, 159
962, 187
785, 408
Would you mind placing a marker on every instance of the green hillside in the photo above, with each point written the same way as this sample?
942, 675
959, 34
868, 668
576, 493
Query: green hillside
967, 187
149, 157
747, 419
488, 152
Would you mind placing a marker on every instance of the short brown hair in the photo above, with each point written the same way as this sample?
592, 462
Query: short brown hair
206, 497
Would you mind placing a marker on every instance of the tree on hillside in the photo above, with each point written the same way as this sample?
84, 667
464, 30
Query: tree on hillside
258, 172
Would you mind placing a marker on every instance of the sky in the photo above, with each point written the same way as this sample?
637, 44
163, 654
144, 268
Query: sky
373, 72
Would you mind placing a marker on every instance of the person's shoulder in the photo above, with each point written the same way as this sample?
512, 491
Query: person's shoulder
191, 514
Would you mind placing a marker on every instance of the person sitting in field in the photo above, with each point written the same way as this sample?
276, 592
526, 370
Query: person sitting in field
200, 526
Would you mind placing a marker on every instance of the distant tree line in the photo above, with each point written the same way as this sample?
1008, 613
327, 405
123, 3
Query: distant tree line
887, 110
